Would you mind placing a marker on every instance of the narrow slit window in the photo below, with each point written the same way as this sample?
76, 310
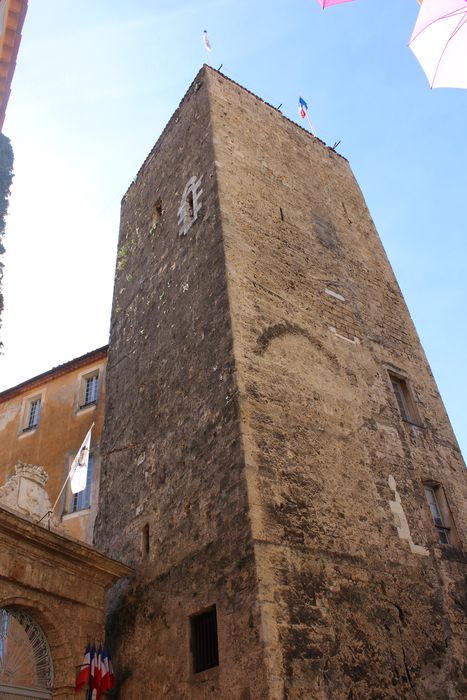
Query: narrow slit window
190, 206
156, 216
145, 542
204, 644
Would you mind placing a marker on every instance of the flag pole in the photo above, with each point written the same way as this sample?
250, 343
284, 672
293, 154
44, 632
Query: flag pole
50, 512
303, 112
313, 131
61, 491
207, 46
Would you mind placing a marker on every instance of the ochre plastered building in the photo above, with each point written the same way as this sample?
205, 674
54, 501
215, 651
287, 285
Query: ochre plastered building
43, 422
277, 461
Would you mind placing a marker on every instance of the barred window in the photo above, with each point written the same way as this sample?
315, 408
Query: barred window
204, 646
33, 414
91, 385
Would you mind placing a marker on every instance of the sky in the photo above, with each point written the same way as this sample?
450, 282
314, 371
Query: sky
94, 86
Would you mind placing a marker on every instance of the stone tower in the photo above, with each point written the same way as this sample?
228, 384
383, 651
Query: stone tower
278, 463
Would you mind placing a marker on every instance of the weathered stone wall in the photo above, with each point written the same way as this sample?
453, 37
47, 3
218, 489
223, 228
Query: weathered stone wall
252, 426
358, 599
172, 455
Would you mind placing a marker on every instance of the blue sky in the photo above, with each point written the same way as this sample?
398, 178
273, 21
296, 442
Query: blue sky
97, 81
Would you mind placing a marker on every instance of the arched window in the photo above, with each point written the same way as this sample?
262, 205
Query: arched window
26, 669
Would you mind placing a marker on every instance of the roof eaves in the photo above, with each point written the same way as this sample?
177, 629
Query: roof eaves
54, 373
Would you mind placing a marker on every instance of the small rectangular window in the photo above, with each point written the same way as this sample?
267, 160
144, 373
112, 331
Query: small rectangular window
204, 646
433, 494
33, 412
89, 390
82, 499
404, 399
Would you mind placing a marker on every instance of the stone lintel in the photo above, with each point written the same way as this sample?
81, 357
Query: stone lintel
64, 550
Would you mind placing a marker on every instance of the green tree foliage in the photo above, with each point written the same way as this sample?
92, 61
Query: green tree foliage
6, 177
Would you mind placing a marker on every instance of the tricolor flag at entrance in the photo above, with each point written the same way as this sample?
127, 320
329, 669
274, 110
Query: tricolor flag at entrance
107, 672
79, 467
95, 674
82, 679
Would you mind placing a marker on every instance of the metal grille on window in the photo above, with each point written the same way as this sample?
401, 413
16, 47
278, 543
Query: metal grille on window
90, 390
204, 645
34, 413
436, 515
25, 660
82, 499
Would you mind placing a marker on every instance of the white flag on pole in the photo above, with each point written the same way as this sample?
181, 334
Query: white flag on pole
207, 43
79, 467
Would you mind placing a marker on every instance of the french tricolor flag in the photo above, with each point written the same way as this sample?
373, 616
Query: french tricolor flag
302, 107
96, 676
107, 673
303, 112
82, 679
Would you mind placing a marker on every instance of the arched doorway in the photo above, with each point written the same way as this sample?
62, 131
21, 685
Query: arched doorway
26, 670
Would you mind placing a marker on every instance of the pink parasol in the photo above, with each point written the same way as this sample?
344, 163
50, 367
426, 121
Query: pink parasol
327, 3
439, 41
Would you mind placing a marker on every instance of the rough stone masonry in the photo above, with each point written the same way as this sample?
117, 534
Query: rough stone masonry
273, 430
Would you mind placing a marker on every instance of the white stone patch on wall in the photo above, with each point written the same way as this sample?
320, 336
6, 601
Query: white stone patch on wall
334, 294
190, 205
400, 520
9, 413
354, 340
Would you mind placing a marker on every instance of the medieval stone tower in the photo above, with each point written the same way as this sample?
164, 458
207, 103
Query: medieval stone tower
277, 461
